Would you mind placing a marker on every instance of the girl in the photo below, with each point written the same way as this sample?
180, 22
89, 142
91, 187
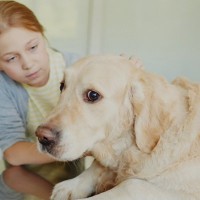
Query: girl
30, 76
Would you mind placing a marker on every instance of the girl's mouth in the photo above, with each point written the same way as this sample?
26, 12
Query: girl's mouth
33, 75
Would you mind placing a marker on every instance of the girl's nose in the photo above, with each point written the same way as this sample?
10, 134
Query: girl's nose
26, 67
26, 63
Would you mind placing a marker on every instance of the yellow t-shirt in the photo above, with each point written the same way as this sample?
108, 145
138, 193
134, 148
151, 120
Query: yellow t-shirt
43, 99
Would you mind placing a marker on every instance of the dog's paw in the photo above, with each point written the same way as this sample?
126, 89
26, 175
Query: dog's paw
69, 190
63, 191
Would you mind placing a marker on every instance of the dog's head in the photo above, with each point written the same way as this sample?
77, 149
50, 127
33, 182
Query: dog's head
102, 98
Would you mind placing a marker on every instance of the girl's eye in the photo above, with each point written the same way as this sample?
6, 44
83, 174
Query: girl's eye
62, 86
92, 96
34, 47
11, 59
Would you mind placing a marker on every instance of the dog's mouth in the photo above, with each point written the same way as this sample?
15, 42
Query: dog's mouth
47, 146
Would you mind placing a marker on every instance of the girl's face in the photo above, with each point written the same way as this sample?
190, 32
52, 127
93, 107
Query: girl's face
24, 57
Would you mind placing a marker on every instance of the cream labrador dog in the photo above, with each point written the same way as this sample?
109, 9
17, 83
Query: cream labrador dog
143, 132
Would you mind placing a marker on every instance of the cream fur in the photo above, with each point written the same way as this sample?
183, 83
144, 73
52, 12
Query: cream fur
143, 132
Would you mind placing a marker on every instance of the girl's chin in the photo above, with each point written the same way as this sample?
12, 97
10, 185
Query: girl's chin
37, 83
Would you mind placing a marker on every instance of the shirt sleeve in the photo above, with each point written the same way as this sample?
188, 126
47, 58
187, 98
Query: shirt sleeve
12, 127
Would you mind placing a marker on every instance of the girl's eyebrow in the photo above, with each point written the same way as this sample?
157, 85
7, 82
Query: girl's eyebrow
32, 40
8, 53
14, 52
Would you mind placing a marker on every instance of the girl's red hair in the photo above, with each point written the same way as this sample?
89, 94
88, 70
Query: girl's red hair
14, 14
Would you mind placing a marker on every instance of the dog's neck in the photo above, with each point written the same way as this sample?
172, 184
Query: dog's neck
109, 153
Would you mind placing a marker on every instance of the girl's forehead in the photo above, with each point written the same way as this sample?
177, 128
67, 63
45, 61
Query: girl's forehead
18, 34
14, 38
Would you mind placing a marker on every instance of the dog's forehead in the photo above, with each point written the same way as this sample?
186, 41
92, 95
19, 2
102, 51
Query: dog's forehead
102, 66
108, 75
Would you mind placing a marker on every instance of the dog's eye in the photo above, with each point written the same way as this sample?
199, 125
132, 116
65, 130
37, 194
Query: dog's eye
62, 86
92, 96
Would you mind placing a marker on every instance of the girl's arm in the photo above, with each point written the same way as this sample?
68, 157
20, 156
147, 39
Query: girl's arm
22, 153
24, 181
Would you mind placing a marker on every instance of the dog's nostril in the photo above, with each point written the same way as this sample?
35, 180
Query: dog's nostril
45, 136
46, 141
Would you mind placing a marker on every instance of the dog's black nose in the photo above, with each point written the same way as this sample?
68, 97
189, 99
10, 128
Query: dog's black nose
46, 136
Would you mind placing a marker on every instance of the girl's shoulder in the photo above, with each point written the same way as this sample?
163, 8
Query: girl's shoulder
11, 88
13, 95
6, 83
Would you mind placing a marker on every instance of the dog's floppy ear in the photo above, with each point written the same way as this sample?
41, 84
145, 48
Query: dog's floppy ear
149, 111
